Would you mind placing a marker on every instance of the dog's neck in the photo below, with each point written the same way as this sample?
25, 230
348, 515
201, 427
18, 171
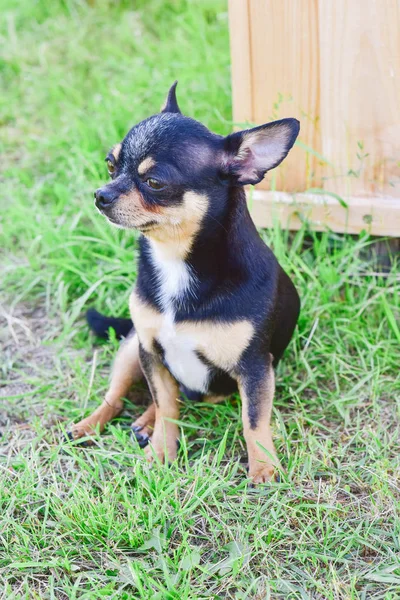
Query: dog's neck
207, 231
172, 243
175, 277
186, 266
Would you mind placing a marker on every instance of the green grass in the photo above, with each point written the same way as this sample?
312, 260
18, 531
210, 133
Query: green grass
99, 523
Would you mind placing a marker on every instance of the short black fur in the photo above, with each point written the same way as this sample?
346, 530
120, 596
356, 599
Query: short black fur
237, 275
101, 325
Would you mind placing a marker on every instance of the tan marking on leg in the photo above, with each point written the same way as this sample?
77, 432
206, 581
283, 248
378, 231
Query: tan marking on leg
165, 393
115, 151
126, 370
261, 464
146, 420
98, 419
146, 319
146, 165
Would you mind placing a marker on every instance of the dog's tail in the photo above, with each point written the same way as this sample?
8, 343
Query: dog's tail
100, 324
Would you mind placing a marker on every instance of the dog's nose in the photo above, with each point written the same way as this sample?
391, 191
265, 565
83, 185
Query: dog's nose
104, 198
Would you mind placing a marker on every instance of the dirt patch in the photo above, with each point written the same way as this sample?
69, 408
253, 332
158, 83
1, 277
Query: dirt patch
21, 338
27, 361
39, 378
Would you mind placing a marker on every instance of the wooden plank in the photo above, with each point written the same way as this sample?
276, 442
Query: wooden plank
285, 67
239, 28
360, 95
378, 215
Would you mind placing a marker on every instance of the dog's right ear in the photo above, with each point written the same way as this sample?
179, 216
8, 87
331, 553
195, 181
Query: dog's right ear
249, 154
171, 104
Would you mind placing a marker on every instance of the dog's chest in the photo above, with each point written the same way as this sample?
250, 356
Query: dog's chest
180, 354
177, 285
190, 348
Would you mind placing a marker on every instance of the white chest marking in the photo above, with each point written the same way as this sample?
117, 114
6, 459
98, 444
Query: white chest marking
181, 357
174, 277
176, 282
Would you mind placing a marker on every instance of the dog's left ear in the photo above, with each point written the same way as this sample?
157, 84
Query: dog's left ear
171, 104
249, 154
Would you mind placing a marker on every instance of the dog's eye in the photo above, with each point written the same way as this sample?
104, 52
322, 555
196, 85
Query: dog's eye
154, 184
110, 167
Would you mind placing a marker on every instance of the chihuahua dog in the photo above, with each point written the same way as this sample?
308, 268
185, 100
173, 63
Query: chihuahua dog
212, 310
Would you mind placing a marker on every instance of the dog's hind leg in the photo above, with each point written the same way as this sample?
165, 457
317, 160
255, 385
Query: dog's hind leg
126, 371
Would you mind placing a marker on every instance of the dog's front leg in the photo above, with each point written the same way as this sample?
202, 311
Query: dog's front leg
126, 371
257, 387
165, 392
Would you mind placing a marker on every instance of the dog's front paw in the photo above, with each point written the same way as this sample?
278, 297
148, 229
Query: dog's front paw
152, 454
263, 473
164, 454
74, 435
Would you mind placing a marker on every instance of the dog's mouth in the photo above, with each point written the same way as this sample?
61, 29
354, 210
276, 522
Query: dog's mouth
148, 226
143, 228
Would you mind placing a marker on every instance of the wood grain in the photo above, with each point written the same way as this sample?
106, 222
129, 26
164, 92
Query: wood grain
360, 95
285, 71
239, 27
336, 67
377, 215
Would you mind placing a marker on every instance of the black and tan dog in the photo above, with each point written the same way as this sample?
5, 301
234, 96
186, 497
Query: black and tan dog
212, 309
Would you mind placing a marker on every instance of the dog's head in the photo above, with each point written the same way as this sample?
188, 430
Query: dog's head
170, 170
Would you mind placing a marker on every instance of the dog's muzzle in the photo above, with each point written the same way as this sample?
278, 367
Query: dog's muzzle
104, 198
